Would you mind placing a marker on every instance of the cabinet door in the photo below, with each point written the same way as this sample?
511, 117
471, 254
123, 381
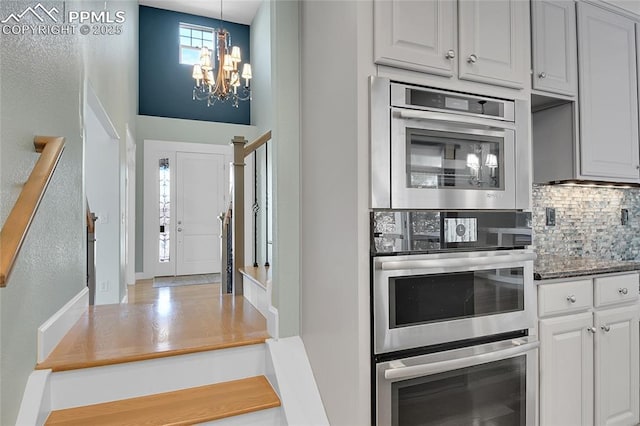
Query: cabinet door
616, 366
494, 41
566, 370
554, 46
608, 94
416, 35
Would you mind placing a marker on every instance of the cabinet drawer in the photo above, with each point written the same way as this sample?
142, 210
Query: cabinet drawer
615, 289
564, 297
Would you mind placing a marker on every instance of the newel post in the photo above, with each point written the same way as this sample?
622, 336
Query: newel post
239, 143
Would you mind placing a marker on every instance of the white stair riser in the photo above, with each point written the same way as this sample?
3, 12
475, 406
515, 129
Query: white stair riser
129, 380
270, 417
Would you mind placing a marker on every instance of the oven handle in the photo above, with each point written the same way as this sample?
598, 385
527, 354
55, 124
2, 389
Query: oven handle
452, 118
454, 364
396, 265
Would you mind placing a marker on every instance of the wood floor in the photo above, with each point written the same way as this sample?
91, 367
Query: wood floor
158, 322
184, 407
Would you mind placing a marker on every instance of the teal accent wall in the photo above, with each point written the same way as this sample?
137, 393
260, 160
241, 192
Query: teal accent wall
165, 85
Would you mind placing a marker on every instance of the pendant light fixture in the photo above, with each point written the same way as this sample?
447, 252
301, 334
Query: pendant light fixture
219, 79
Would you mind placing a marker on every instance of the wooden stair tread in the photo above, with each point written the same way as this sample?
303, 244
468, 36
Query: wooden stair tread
113, 334
183, 407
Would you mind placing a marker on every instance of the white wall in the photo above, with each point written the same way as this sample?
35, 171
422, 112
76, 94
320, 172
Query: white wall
261, 114
102, 181
334, 214
261, 96
285, 71
111, 68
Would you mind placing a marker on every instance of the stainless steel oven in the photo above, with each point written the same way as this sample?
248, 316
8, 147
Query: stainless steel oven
432, 149
424, 300
488, 384
453, 307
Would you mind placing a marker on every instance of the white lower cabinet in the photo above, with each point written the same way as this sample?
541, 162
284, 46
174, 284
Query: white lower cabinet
616, 366
589, 361
566, 370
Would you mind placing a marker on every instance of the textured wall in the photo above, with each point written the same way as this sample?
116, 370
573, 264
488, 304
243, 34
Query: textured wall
41, 81
41, 84
588, 222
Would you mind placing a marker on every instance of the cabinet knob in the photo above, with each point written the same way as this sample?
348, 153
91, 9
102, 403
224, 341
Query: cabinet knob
571, 298
542, 75
450, 54
179, 229
472, 58
606, 328
623, 290
591, 330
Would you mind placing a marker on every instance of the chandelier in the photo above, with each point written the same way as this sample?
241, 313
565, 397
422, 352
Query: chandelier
226, 85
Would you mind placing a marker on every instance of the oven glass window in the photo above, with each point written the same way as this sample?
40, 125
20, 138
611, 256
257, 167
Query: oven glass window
487, 394
421, 299
450, 160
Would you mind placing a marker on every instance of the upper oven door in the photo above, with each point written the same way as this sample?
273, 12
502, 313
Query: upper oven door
424, 300
450, 161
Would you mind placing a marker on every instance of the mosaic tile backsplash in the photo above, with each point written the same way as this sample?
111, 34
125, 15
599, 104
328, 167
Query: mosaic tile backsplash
588, 222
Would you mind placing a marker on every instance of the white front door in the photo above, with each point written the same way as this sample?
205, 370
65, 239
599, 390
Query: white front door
185, 188
199, 201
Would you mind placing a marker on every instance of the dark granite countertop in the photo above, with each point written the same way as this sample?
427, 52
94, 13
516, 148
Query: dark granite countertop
550, 267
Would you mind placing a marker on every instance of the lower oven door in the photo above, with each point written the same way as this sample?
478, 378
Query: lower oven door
424, 300
491, 384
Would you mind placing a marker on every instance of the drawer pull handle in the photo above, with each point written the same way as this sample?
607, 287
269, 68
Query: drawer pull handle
606, 328
571, 298
591, 330
623, 290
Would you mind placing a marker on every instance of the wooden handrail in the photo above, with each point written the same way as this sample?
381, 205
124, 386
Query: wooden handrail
249, 148
91, 220
17, 224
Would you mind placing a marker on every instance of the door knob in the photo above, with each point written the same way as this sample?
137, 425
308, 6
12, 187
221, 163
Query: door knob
606, 328
542, 75
450, 54
472, 58
571, 298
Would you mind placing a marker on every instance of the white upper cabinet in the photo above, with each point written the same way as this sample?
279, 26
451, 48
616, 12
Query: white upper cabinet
608, 95
416, 35
477, 40
554, 46
492, 41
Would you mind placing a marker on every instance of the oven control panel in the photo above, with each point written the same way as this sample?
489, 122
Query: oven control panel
460, 230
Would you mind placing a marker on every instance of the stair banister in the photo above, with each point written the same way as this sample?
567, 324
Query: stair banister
240, 151
19, 220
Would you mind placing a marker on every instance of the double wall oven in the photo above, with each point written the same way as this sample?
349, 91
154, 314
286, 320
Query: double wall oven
452, 295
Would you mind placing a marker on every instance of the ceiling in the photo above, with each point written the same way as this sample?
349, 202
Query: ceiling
239, 11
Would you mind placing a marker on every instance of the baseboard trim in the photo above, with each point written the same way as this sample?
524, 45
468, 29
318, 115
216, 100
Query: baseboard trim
143, 276
295, 383
36, 400
273, 322
54, 329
